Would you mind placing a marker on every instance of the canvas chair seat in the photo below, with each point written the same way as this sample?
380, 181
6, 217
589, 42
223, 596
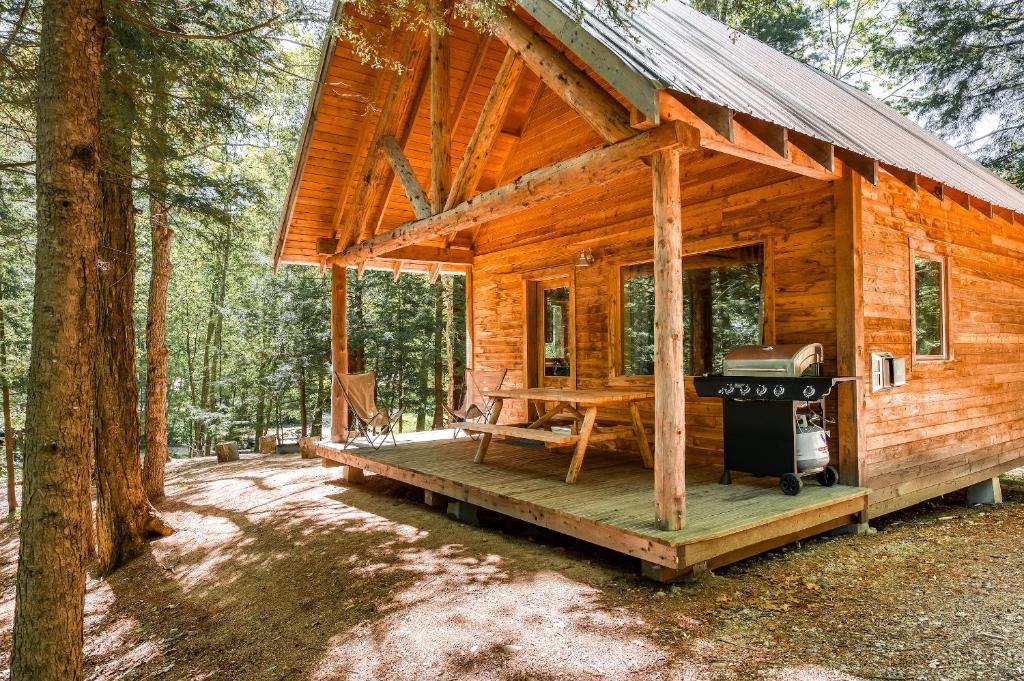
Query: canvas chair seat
360, 392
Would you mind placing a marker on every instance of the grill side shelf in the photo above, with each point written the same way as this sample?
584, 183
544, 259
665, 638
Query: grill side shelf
767, 388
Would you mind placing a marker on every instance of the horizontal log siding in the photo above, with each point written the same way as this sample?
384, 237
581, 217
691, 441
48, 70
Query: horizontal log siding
958, 420
726, 201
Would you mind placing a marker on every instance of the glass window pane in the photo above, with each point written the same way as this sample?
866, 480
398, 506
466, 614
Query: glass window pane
928, 304
722, 309
638, 319
556, 331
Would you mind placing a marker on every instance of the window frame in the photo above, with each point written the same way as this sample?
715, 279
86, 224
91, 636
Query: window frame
934, 252
615, 375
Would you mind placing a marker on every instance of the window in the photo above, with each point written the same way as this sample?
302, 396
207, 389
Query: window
929, 307
556, 331
722, 309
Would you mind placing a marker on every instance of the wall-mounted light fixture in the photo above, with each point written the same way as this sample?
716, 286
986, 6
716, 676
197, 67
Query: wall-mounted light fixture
585, 258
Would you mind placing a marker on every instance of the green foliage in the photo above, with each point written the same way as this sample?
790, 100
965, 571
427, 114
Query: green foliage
966, 59
783, 24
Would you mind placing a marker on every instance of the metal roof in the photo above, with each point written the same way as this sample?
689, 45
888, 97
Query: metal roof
671, 45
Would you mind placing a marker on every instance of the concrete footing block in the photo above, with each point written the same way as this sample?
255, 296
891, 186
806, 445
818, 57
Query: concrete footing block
986, 492
330, 463
352, 474
435, 500
856, 529
464, 512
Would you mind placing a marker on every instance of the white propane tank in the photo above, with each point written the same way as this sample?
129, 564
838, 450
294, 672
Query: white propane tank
811, 445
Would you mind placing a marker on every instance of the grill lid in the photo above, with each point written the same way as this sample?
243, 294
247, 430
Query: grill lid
772, 360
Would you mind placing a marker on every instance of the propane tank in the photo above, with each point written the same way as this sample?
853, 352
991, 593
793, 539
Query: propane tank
811, 445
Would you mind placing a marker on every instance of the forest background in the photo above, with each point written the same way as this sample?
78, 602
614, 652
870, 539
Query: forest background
211, 129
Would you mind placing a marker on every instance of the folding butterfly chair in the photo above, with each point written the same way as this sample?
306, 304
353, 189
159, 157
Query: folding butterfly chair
372, 423
476, 406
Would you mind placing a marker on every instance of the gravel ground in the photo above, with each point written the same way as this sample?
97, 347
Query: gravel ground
278, 570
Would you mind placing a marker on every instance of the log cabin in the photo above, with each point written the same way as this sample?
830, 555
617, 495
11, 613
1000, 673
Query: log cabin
628, 203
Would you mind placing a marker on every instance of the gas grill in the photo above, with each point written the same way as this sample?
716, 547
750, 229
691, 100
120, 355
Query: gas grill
774, 413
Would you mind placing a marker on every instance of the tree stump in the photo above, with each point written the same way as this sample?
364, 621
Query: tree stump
268, 444
226, 451
307, 447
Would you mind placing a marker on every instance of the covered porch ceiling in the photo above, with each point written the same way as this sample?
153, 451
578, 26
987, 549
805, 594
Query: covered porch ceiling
361, 192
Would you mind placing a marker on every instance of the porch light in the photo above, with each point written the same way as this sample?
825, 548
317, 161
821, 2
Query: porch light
585, 258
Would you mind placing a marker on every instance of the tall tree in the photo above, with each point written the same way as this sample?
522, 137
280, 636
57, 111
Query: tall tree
50, 595
964, 60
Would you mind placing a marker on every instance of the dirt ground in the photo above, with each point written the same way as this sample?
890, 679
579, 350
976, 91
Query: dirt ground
279, 570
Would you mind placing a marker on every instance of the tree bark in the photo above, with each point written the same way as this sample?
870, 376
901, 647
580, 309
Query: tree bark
5, 397
50, 599
303, 424
439, 388
121, 505
449, 342
154, 464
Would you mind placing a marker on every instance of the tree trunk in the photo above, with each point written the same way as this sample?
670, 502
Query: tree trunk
449, 342
121, 508
5, 397
318, 411
302, 402
356, 352
439, 388
156, 352
48, 616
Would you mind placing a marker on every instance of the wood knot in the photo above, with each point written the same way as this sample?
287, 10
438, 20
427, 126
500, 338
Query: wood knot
84, 156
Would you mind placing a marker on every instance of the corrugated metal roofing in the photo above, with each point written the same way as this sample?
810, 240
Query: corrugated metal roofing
674, 45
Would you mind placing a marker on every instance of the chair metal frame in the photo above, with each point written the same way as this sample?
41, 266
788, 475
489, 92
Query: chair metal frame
364, 427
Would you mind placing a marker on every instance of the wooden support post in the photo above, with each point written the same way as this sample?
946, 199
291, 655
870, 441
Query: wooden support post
435, 500
352, 474
440, 133
339, 352
850, 351
669, 389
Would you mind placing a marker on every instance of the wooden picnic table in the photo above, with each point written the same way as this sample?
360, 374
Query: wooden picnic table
581, 406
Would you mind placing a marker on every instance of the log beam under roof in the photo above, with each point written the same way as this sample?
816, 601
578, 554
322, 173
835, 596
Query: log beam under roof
440, 130
590, 168
581, 92
407, 178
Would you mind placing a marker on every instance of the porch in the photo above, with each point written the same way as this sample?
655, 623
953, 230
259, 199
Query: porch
611, 504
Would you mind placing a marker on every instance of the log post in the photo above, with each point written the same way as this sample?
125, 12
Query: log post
440, 134
226, 451
669, 395
339, 352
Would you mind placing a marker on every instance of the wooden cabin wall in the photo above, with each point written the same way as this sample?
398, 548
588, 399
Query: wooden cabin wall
727, 202
957, 421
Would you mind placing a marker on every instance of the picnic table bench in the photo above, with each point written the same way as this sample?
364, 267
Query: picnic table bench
581, 406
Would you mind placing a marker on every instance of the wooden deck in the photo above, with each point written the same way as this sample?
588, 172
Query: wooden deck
612, 503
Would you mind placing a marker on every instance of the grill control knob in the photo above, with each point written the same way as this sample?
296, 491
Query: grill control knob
761, 390
809, 391
730, 389
779, 390
744, 389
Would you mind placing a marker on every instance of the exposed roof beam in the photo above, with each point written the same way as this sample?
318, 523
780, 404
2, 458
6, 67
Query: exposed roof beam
907, 177
434, 272
588, 99
931, 186
375, 177
431, 255
440, 131
803, 154
487, 128
590, 168
956, 196
773, 136
1003, 213
410, 184
396, 269
864, 166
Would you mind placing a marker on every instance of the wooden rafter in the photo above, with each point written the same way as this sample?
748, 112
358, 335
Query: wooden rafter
590, 168
376, 174
406, 177
487, 128
431, 254
440, 132
863, 165
581, 92
907, 177
723, 131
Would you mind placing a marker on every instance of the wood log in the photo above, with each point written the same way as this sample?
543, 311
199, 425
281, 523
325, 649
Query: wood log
591, 168
307, 447
267, 444
226, 451
669, 386
410, 184
602, 111
440, 132
487, 128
